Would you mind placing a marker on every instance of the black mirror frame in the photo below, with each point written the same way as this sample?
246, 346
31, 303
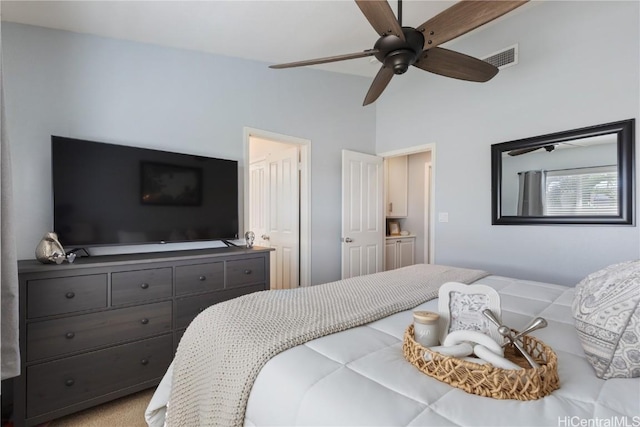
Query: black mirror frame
625, 131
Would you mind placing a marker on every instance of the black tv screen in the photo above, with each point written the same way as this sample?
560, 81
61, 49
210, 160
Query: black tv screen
106, 194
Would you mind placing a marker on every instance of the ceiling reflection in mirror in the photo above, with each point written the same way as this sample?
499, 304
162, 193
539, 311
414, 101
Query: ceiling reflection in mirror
579, 176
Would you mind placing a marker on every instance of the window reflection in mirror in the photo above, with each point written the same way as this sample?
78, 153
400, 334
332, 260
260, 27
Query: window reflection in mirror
579, 176
565, 180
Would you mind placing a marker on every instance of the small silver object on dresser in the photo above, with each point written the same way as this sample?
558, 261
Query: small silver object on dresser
49, 250
249, 237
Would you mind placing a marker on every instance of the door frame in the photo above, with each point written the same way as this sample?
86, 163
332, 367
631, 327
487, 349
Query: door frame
428, 176
305, 191
431, 216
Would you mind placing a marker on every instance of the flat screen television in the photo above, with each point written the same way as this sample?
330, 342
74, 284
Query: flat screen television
107, 194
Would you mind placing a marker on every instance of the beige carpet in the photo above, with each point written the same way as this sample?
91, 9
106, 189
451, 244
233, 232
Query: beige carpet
124, 412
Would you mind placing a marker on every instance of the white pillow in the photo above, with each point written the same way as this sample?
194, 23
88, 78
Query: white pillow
607, 317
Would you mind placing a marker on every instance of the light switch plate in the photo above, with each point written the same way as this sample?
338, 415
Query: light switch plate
443, 216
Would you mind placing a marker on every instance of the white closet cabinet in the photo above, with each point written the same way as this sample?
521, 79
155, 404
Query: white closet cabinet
396, 186
399, 252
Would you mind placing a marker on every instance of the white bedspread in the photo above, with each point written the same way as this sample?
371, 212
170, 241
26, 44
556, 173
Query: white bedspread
359, 377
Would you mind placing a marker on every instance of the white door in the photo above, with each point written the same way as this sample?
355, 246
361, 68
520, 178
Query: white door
362, 214
283, 217
258, 207
258, 201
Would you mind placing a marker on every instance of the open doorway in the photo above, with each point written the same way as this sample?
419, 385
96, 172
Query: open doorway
277, 203
409, 206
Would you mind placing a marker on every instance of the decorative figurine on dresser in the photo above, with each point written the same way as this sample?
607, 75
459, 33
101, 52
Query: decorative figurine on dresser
50, 250
249, 238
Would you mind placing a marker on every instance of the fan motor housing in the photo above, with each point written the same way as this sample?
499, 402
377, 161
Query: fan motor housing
399, 54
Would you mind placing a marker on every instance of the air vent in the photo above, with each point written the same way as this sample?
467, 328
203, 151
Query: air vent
503, 58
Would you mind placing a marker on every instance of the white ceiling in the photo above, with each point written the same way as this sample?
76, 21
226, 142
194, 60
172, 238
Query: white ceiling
263, 30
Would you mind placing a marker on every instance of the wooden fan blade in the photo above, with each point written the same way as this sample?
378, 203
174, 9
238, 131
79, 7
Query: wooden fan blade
523, 151
336, 58
457, 65
463, 17
381, 17
379, 84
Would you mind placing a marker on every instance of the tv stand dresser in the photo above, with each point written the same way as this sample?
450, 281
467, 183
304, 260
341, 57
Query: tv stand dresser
108, 326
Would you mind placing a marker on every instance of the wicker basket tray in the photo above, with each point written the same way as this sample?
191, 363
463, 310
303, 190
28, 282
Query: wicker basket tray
487, 380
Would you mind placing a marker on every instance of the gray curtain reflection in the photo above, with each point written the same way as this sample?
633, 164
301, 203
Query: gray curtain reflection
531, 193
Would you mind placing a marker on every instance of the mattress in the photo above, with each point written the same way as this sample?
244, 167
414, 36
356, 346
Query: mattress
359, 377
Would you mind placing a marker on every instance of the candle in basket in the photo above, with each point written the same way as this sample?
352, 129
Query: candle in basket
425, 328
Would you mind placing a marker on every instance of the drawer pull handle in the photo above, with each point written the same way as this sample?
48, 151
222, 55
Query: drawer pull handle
202, 278
144, 285
144, 362
144, 321
69, 335
69, 382
247, 271
70, 295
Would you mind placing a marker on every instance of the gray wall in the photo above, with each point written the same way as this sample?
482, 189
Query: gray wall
94, 88
578, 66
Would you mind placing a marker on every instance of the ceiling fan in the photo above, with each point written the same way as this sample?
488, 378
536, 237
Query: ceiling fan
399, 47
549, 148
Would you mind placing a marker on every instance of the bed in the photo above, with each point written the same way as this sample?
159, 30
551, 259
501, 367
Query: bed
358, 376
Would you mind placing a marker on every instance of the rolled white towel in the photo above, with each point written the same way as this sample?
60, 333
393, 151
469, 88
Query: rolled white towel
475, 337
458, 350
495, 359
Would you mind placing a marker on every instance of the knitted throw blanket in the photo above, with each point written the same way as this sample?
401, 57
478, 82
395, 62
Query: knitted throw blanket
224, 348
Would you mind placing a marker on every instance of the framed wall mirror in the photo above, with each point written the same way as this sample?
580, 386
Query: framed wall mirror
581, 176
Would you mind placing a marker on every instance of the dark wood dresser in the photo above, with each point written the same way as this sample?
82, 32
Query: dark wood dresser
104, 327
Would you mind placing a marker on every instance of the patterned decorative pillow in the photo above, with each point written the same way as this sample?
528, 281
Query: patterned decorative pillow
607, 317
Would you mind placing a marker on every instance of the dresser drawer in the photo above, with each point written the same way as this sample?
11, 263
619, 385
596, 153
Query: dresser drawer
188, 308
244, 272
140, 285
62, 336
54, 385
199, 278
60, 295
